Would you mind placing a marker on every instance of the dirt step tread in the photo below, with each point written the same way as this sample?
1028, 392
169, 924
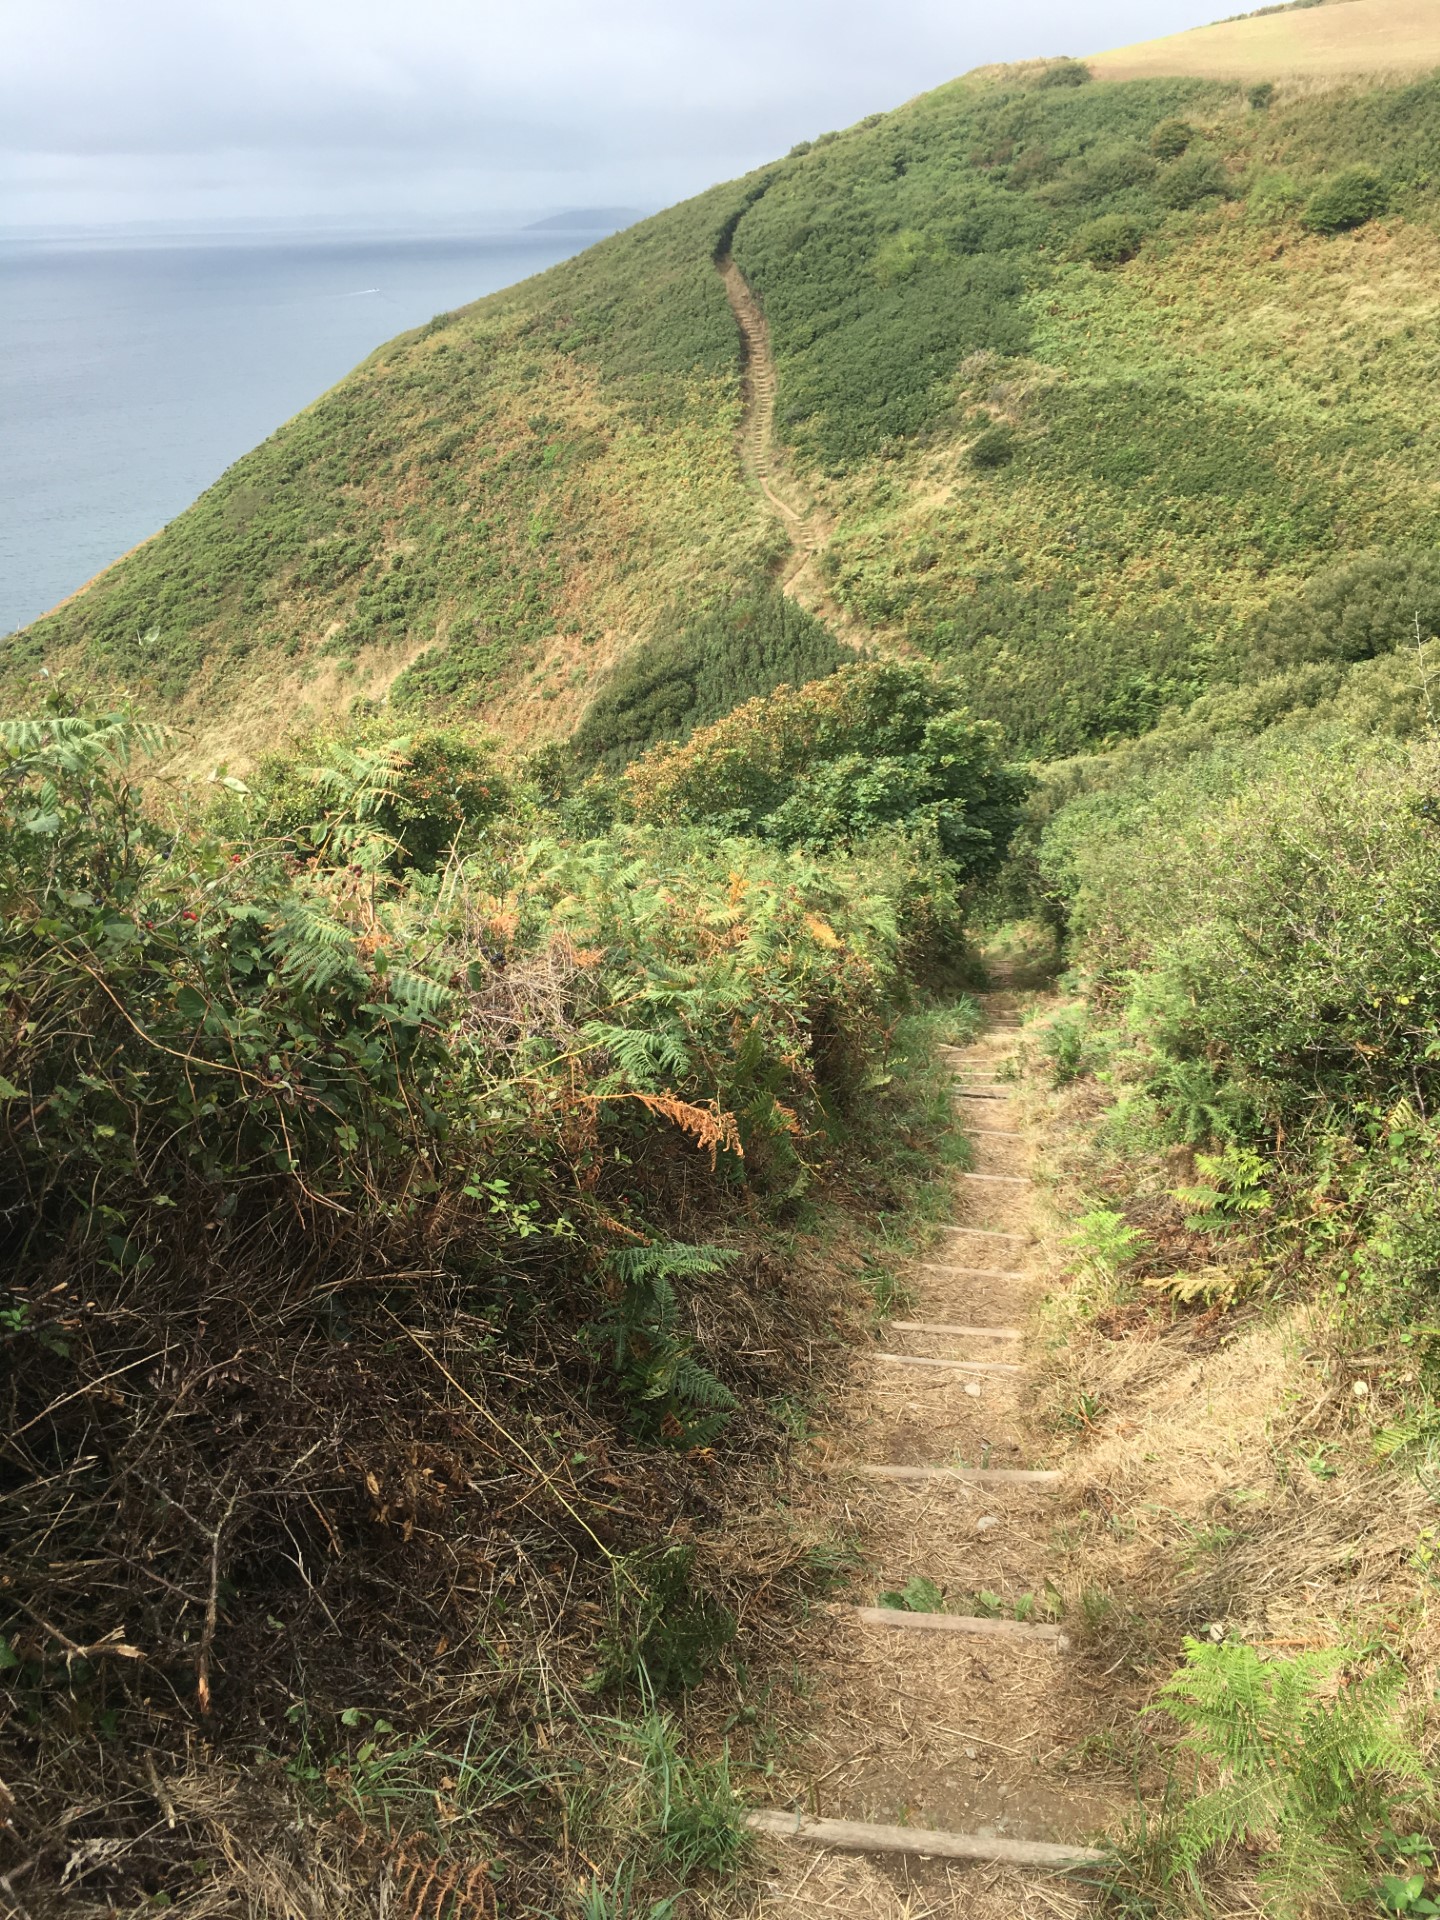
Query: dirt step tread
971, 1273
864, 1836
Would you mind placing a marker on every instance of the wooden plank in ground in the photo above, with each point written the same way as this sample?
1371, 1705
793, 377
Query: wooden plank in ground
999, 1476
955, 1366
861, 1836
945, 1326
1039, 1633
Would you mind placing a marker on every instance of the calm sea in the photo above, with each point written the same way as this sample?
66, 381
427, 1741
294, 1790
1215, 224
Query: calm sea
131, 375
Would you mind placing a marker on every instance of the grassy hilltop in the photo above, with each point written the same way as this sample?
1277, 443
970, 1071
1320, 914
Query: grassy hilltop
1079, 385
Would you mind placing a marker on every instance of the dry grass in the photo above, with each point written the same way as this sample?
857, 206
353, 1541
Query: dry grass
1337, 41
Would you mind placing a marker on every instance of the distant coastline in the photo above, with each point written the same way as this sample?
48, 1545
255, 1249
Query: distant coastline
586, 220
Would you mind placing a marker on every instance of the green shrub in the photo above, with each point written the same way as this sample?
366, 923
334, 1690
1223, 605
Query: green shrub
426, 794
700, 669
1276, 903
1065, 73
662, 1633
1109, 241
1357, 609
1261, 95
1346, 200
1170, 139
1189, 181
887, 745
1102, 172
995, 447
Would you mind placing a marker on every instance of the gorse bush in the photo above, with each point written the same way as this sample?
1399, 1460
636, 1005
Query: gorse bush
1109, 241
995, 447
1190, 181
1171, 138
1357, 609
429, 794
1280, 919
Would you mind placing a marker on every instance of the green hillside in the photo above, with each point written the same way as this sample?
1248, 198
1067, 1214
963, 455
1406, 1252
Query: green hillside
1079, 385
459, 1154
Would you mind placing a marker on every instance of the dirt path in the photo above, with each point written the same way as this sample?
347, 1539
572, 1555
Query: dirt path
949, 1767
803, 522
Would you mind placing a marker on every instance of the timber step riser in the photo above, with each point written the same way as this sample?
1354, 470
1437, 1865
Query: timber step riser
954, 1476
956, 1332
951, 1366
977, 1624
860, 1836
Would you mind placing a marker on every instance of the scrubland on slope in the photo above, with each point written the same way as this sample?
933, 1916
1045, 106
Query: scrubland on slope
1078, 388
446, 1189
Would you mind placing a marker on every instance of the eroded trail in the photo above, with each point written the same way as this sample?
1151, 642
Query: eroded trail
803, 523
948, 1770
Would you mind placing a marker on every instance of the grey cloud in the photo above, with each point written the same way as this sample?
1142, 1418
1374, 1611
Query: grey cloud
333, 101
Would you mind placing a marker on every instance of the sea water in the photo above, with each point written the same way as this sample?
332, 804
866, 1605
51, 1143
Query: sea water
133, 372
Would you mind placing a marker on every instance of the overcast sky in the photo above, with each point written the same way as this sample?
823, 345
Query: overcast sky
119, 110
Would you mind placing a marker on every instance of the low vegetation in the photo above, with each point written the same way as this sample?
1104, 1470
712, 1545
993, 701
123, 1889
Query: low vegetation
411, 1218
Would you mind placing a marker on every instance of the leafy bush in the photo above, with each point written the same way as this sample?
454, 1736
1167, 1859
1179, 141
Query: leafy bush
1190, 181
1357, 609
1347, 200
1261, 95
995, 447
1101, 173
428, 794
1170, 139
875, 746
1065, 73
1109, 241
1277, 905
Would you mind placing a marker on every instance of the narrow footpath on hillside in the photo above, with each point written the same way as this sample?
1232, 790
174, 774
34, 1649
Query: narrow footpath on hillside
804, 525
945, 1750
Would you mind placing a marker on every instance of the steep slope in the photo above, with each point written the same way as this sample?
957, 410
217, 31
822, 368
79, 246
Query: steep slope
1075, 381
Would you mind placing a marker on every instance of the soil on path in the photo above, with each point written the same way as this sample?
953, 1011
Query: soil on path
963, 1729
804, 524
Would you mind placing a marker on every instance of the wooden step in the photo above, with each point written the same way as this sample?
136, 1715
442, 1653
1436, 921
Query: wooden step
971, 1273
1000, 1476
1001, 1179
994, 1133
971, 1093
903, 1621
959, 1333
862, 1836
955, 1366
991, 1233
